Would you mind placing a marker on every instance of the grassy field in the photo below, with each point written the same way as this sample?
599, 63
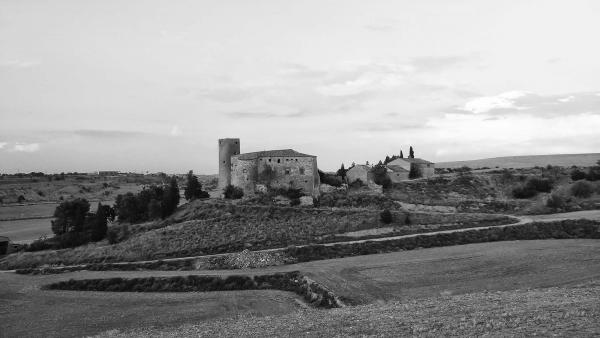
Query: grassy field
568, 312
26, 223
12, 212
563, 160
27, 230
397, 292
27, 311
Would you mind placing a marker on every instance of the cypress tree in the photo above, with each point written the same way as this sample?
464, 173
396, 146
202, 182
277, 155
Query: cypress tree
401, 154
412, 153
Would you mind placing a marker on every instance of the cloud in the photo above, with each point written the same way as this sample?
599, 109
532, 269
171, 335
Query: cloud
262, 115
488, 103
566, 99
175, 131
26, 147
105, 134
3, 144
519, 102
379, 27
19, 63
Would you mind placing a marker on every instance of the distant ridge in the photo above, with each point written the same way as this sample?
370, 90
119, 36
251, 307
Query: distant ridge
527, 161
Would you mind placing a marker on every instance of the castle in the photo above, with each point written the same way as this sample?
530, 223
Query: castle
258, 171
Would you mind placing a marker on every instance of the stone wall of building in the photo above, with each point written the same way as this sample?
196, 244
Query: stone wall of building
358, 172
275, 172
244, 174
398, 176
227, 148
289, 172
427, 170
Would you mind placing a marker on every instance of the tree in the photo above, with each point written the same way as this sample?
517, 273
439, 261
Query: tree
70, 216
415, 171
193, 188
411, 153
387, 160
171, 198
386, 216
401, 154
380, 176
96, 225
342, 172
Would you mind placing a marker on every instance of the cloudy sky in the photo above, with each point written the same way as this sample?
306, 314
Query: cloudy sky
151, 85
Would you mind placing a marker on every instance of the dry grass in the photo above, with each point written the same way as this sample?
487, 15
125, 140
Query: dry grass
554, 311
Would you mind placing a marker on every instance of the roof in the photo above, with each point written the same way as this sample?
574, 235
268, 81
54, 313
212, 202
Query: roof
272, 153
396, 168
412, 160
4, 239
361, 166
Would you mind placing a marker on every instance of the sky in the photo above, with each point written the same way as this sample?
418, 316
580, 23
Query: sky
146, 85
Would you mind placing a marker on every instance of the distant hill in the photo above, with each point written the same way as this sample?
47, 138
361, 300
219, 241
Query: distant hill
563, 160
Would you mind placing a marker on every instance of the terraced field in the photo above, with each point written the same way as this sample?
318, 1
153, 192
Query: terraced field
375, 282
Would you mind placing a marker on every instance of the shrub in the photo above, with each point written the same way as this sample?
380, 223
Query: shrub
333, 180
380, 176
523, 192
556, 201
577, 175
539, 184
233, 192
532, 186
289, 281
386, 217
582, 189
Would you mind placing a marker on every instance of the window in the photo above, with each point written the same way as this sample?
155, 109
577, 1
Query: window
287, 171
296, 160
269, 160
287, 159
278, 160
223, 161
245, 171
301, 171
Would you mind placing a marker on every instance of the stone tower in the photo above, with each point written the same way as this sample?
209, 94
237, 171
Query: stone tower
227, 148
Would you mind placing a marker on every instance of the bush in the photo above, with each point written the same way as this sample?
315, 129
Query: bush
380, 176
289, 281
539, 184
577, 175
386, 217
333, 180
233, 192
556, 201
532, 186
532, 231
582, 189
523, 192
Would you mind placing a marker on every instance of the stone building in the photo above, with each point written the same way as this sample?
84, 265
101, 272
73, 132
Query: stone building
425, 168
397, 173
359, 172
260, 170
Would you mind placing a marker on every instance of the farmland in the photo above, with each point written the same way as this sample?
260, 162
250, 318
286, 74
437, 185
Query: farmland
526, 161
384, 286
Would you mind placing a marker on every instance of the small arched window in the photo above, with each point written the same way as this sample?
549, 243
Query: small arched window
278, 160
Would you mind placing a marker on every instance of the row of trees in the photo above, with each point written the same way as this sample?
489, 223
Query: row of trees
151, 203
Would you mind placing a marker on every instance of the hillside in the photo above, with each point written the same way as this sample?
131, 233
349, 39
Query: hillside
528, 161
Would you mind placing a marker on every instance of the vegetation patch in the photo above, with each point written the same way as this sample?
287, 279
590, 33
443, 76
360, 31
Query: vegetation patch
551, 230
311, 291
